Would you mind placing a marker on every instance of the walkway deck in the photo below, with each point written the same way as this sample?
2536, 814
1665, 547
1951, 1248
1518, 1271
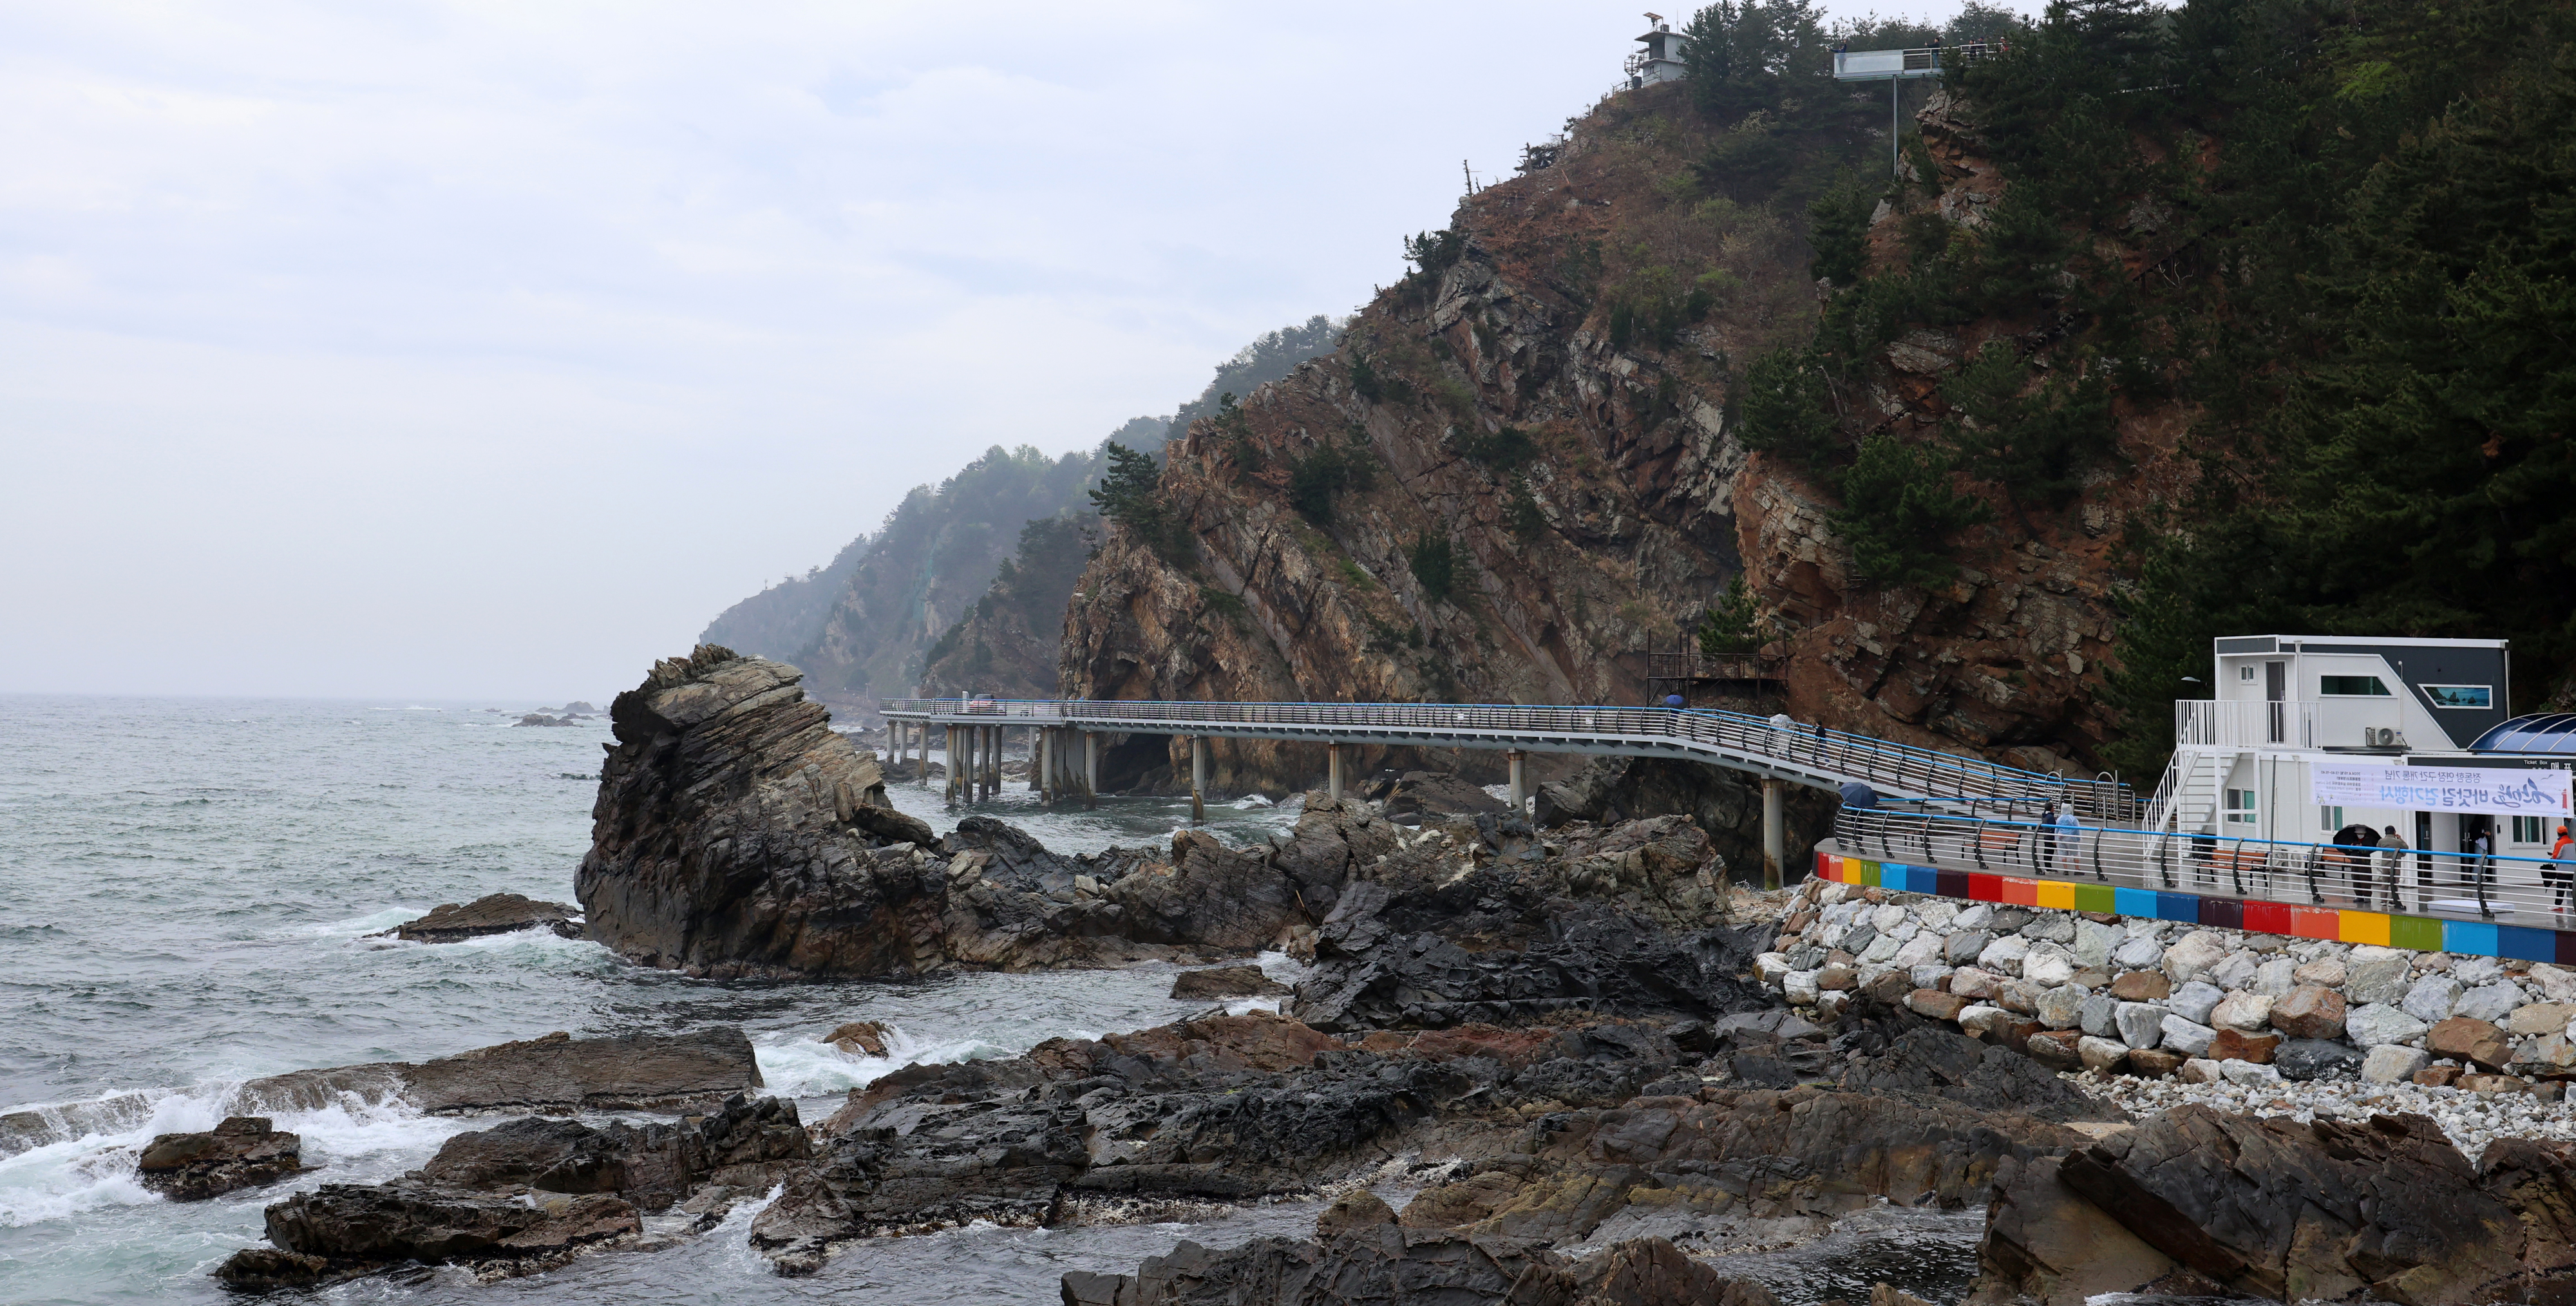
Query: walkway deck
1800, 754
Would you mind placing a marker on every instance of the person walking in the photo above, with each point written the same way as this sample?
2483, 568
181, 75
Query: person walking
2482, 858
2392, 860
2047, 838
2070, 840
2558, 875
2351, 847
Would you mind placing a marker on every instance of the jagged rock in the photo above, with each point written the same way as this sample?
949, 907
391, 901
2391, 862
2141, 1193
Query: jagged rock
1355, 1211
2249, 1013
2310, 1012
499, 913
2188, 1037
638, 1072
2141, 1024
2378, 980
1414, 1267
2195, 1000
1225, 982
2391, 1064
2142, 986
890, 826
2491, 1002
2539, 1018
2379, 1023
2194, 955
343, 1229
2315, 1058
1436, 793
242, 1152
2237, 1045
2433, 998
2464, 1039
860, 1037
2327, 1211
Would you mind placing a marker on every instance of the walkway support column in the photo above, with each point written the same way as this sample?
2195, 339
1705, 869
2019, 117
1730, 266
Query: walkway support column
948, 763
1198, 780
1520, 786
1333, 770
1775, 838
991, 757
1037, 760
1090, 769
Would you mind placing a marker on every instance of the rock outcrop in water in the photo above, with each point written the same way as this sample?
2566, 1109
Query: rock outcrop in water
636, 1072
242, 1152
524, 1196
499, 913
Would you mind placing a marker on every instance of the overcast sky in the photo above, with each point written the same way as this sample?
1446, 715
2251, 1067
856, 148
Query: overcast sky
490, 350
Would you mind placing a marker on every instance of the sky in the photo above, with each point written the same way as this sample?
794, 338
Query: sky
489, 350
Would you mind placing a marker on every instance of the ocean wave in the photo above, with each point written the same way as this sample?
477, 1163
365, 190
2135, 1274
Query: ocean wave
810, 1068
90, 1164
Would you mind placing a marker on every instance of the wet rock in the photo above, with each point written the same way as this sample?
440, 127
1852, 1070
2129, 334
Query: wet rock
1413, 1267
242, 1152
745, 1146
860, 1038
1361, 1210
339, 1230
890, 826
499, 913
1225, 982
638, 1072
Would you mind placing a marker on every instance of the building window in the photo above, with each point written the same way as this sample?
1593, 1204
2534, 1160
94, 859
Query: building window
2245, 674
2530, 829
2473, 696
2240, 807
2351, 687
2329, 818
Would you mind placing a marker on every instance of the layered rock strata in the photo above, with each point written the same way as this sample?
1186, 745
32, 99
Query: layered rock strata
635, 1072
499, 913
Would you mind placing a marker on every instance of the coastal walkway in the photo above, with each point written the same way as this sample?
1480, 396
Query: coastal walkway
1066, 737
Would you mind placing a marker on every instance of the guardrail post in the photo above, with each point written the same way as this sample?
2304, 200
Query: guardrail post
1520, 787
1775, 838
1198, 780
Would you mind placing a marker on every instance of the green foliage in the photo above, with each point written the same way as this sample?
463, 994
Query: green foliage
2038, 446
1130, 494
1899, 512
1652, 304
1271, 356
1524, 515
1435, 566
1579, 271
1745, 55
1786, 407
1504, 450
1226, 604
1838, 230
1734, 626
1434, 251
1327, 472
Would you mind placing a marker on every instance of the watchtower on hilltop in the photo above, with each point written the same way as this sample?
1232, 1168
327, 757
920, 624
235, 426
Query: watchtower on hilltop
1661, 60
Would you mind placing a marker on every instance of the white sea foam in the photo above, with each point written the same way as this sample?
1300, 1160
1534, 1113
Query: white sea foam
355, 1136
807, 1068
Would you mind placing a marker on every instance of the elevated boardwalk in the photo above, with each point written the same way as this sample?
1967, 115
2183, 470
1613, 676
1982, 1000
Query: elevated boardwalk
1795, 753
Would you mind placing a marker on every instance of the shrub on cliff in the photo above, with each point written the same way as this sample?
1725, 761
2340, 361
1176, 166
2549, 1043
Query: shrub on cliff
1327, 472
1435, 566
1899, 512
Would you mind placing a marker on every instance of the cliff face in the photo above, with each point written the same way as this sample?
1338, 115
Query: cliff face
1545, 417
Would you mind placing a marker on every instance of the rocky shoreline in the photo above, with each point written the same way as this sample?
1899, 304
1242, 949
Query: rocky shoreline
1600, 1068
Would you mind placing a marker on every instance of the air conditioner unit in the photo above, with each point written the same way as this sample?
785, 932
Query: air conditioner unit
2384, 737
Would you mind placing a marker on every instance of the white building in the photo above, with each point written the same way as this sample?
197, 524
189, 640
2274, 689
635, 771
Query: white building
1661, 60
2272, 754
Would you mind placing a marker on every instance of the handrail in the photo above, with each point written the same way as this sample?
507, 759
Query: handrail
2533, 891
1805, 751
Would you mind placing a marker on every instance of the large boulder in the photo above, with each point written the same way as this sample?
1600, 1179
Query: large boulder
2329, 1211
242, 1152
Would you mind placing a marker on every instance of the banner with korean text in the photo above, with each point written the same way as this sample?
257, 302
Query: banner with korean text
2492, 791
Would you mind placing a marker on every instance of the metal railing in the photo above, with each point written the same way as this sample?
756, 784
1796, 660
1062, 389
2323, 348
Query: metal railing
2513, 890
2306, 723
1807, 754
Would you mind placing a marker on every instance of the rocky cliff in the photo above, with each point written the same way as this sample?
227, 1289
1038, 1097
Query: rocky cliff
1513, 477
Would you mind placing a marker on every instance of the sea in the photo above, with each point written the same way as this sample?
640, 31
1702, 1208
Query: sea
193, 892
